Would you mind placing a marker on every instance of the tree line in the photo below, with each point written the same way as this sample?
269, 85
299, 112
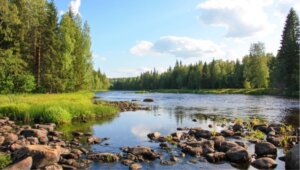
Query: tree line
42, 52
258, 69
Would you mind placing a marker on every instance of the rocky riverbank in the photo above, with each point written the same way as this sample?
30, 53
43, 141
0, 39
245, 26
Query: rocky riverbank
40, 146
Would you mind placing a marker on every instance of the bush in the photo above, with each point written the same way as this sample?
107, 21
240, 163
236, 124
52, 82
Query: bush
56, 114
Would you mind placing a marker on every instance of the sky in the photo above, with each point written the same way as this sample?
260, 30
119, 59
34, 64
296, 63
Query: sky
134, 36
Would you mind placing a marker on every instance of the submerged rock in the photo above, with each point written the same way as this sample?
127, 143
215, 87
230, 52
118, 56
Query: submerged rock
264, 163
238, 155
148, 100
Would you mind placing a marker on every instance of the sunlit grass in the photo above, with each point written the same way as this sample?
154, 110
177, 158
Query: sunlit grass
55, 108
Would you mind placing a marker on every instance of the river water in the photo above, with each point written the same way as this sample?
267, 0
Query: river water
169, 111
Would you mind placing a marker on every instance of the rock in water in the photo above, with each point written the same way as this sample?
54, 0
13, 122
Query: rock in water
135, 166
292, 158
24, 164
265, 148
148, 100
154, 135
238, 155
105, 157
264, 163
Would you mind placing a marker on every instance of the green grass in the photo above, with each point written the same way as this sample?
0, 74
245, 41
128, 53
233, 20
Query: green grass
54, 108
5, 160
259, 91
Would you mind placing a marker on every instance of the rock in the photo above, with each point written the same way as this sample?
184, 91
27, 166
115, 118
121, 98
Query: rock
193, 151
174, 158
274, 140
127, 162
276, 127
53, 167
282, 158
194, 120
238, 155
154, 135
43, 140
200, 133
210, 126
148, 100
177, 135
34, 133
15, 146
104, 157
49, 127
264, 163
163, 162
292, 158
10, 138
218, 140
33, 140
93, 140
242, 144
227, 133
2, 139
77, 134
262, 127
144, 152
237, 127
265, 148
163, 145
135, 166
225, 146
24, 164
42, 155
215, 157
55, 133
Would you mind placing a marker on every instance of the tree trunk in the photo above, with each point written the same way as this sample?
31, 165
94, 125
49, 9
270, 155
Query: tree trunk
39, 63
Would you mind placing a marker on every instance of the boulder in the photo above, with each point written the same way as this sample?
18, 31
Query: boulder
144, 152
24, 164
274, 140
2, 139
265, 148
292, 158
238, 155
34, 133
42, 155
262, 127
93, 140
237, 127
148, 100
264, 163
215, 157
218, 140
10, 138
225, 146
49, 127
104, 157
177, 135
154, 135
127, 162
200, 133
193, 151
227, 133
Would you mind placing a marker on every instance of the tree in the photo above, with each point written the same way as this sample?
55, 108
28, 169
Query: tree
289, 53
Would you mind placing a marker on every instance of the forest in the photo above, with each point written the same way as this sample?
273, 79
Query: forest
257, 69
41, 51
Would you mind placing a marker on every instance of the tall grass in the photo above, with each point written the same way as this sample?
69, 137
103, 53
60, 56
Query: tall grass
54, 108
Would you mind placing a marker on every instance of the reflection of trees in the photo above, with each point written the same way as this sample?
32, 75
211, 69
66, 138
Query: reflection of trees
179, 115
291, 117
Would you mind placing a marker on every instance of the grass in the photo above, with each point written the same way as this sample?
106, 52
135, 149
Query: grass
258, 91
5, 160
54, 108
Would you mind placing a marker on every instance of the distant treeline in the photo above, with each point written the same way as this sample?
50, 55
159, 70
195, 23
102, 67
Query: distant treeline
258, 69
39, 52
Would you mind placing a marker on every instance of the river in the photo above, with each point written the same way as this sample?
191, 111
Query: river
169, 111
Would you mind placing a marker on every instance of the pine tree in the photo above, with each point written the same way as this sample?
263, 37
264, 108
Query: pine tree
289, 53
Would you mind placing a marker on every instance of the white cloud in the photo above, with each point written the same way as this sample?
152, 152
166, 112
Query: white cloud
132, 72
75, 5
141, 48
282, 8
98, 57
241, 18
180, 47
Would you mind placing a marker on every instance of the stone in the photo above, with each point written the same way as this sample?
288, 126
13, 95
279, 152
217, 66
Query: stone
2, 139
237, 127
53, 167
227, 145
292, 158
34, 133
127, 162
193, 151
93, 140
177, 135
265, 148
135, 166
148, 100
264, 163
200, 133
10, 138
42, 155
49, 127
104, 157
24, 164
215, 157
262, 127
77, 134
238, 155
218, 140
227, 133
154, 135
144, 152
274, 140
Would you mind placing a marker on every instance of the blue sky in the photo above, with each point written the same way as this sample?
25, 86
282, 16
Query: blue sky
133, 36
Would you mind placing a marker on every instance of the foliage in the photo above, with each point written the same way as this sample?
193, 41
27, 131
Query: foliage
56, 108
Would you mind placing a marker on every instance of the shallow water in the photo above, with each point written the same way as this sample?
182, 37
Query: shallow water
170, 111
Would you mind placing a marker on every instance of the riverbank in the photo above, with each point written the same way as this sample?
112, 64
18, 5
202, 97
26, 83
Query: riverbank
260, 91
55, 108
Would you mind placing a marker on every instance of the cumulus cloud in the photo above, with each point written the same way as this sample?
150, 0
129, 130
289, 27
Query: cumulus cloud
181, 47
241, 18
75, 5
